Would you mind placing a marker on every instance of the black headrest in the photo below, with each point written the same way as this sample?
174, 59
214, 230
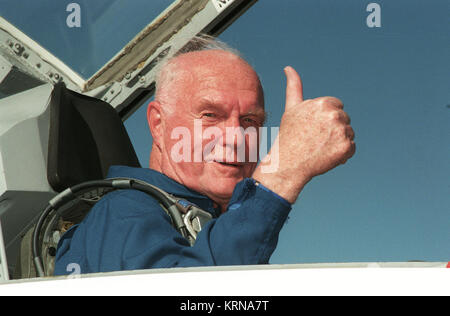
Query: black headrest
86, 137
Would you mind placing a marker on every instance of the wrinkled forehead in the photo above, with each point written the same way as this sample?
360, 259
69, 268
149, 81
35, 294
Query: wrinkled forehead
212, 69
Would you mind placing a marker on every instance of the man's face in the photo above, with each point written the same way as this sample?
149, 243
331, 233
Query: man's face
219, 92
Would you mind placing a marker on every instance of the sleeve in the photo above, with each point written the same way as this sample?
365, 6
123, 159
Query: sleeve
131, 231
248, 232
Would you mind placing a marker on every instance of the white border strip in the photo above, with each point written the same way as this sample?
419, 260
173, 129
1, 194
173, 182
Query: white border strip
285, 282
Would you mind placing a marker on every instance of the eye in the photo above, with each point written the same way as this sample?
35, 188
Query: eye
210, 116
251, 121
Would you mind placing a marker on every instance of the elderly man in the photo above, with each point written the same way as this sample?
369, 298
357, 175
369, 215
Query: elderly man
214, 87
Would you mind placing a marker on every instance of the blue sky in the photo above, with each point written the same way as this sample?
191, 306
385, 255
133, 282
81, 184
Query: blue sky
391, 201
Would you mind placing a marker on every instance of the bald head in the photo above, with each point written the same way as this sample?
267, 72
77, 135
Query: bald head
178, 75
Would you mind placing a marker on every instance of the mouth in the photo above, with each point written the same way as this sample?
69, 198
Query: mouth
235, 165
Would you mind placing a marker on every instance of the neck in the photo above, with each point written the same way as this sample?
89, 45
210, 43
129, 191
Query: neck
155, 159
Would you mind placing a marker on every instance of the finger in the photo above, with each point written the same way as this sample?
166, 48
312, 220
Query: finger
333, 101
352, 149
294, 87
349, 132
344, 117
350, 153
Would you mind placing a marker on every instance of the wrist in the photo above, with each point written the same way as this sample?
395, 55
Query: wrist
285, 186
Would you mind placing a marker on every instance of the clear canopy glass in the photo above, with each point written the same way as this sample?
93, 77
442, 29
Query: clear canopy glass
84, 34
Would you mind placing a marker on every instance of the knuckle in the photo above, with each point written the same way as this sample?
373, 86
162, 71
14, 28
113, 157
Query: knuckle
321, 102
346, 117
346, 147
336, 102
332, 102
333, 99
334, 115
353, 148
350, 133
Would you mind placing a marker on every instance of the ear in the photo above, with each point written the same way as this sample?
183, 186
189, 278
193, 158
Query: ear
155, 122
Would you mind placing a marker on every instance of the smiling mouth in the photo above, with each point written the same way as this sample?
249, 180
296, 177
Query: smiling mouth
227, 164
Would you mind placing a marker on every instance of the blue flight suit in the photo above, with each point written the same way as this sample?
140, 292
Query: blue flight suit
128, 229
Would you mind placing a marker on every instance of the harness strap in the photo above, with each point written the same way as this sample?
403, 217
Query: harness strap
70, 207
194, 219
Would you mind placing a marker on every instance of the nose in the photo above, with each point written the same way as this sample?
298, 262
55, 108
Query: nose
234, 133
234, 141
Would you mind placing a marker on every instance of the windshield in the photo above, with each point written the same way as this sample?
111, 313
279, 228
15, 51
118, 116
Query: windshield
83, 34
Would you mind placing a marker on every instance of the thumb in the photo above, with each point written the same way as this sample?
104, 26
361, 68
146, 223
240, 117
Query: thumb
294, 87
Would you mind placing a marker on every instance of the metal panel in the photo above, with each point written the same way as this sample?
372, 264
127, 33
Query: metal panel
35, 59
24, 189
126, 81
4, 276
163, 38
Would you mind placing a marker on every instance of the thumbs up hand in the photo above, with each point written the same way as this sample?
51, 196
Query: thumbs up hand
314, 137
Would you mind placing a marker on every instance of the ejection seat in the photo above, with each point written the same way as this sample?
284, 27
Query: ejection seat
86, 137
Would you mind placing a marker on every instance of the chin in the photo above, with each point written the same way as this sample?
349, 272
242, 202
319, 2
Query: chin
223, 188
